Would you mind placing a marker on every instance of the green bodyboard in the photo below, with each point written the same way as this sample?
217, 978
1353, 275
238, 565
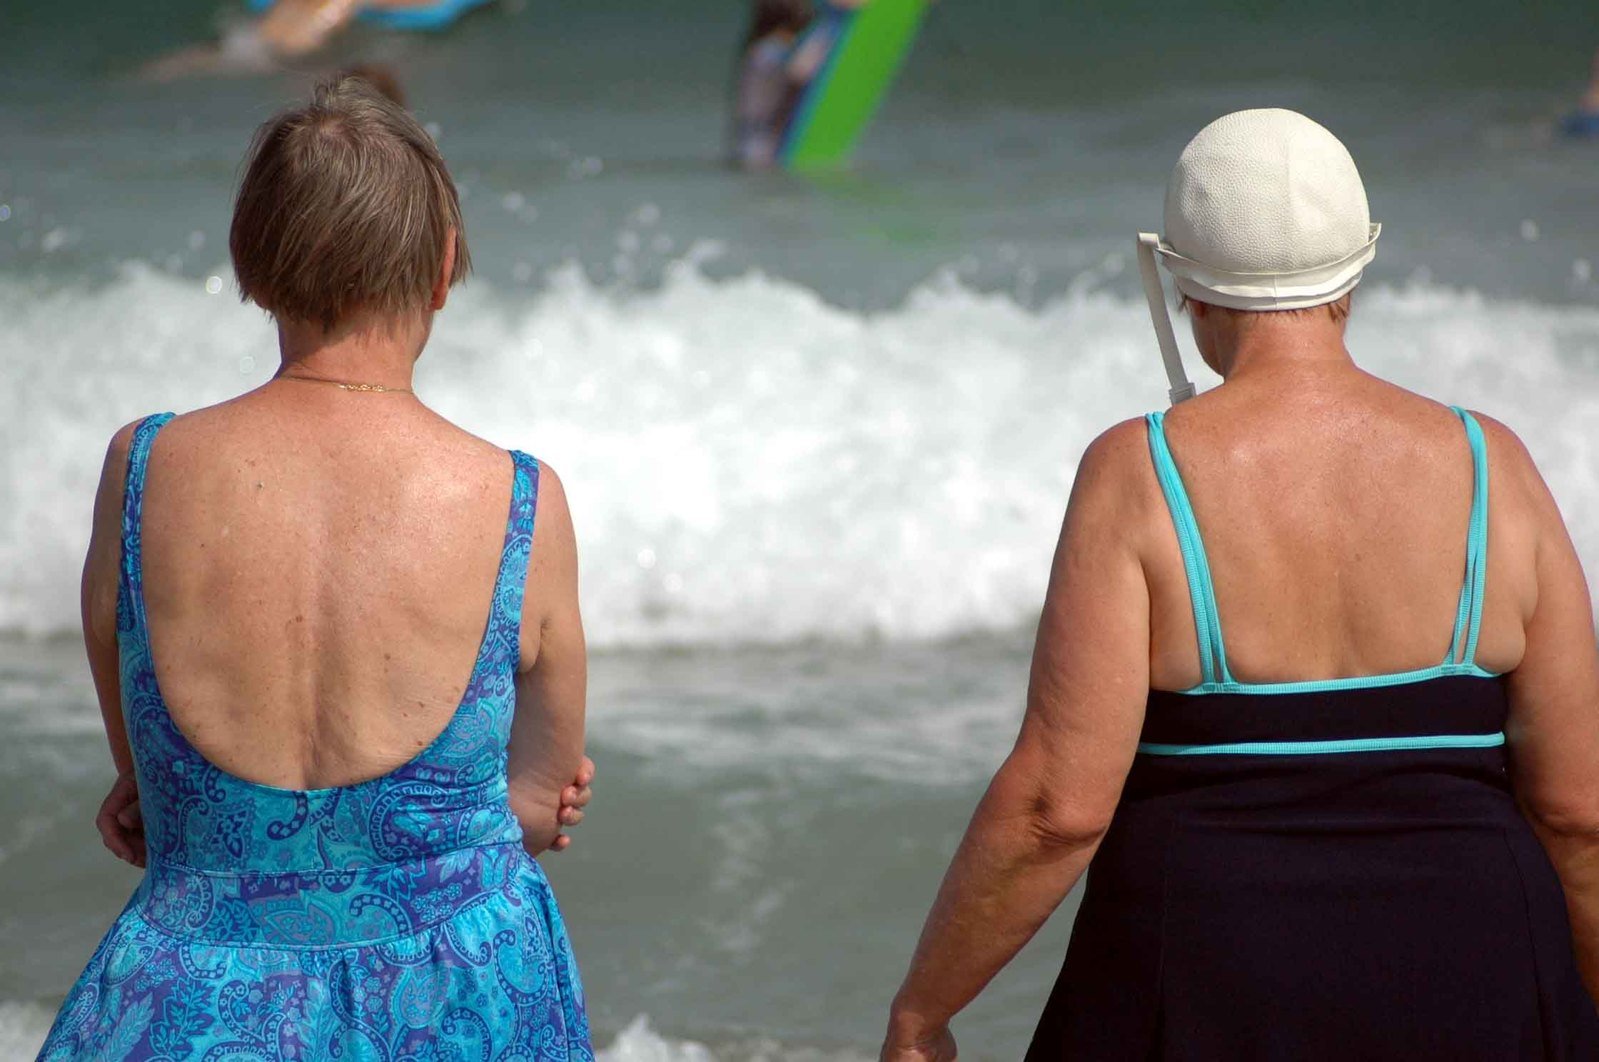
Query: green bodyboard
835, 109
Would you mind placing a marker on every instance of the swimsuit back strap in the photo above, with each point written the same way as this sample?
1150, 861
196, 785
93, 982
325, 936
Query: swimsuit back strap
133, 512
1468, 613
1201, 590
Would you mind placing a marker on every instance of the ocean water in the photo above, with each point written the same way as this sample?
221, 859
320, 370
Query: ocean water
817, 433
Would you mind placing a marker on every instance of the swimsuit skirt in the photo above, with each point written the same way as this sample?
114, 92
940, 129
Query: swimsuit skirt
398, 919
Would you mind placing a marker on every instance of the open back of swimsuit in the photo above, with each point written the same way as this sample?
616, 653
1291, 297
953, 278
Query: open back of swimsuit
1321, 870
396, 919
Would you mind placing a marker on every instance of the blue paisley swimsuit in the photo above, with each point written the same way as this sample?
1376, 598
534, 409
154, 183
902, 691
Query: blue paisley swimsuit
398, 919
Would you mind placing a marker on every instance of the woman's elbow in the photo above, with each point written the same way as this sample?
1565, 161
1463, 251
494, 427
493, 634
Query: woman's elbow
1071, 824
1028, 792
1574, 819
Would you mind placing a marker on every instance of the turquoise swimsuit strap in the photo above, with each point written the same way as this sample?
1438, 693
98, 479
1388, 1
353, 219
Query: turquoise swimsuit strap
133, 513
1468, 615
1201, 591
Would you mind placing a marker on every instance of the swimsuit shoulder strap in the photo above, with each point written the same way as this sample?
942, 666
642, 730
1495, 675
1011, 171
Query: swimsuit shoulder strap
506, 620
1468, 614
1201, 590
475, 750
132, 581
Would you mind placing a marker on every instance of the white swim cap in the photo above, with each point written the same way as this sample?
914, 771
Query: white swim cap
1265, 211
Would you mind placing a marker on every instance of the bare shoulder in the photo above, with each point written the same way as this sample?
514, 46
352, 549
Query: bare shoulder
1120, 450
550, 603
552, 521
122, 443
1112, 497
436, 430
1504, 445
1514, 471
457, 463
1523, 513
115, 470
1115, 469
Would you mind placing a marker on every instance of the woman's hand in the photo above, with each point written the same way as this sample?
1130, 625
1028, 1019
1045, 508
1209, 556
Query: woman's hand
120, 823
912, 1044
574, 798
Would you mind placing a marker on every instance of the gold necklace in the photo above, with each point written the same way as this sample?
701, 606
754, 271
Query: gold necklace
342, 385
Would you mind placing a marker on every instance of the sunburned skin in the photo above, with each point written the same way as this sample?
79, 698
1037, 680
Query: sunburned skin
1334, 507
373, 643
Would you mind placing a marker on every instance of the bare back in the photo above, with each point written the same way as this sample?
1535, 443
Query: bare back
1336, 529
318, 576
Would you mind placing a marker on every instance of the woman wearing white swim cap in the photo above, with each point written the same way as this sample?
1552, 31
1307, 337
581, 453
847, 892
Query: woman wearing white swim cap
1363, 824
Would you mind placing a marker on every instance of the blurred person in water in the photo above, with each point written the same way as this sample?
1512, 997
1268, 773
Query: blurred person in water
1584, 121
288, 30
1366, 823
767, 86
786, 46
1590, 98
340, 662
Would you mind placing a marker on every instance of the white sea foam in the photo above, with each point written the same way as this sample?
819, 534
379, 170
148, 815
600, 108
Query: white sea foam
746, 462
639, 1042
23, 1027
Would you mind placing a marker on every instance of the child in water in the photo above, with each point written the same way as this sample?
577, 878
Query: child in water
767, 91
787, 46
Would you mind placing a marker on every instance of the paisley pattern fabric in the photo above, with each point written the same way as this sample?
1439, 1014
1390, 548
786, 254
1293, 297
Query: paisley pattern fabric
398, 919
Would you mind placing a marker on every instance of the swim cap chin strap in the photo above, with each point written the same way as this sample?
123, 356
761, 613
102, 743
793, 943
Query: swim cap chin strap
1181, 388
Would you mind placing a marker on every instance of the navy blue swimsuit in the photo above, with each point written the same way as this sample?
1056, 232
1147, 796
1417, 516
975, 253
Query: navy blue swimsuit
1321, 870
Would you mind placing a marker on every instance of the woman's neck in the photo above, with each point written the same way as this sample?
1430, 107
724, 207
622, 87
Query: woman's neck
1266, 344
367, 350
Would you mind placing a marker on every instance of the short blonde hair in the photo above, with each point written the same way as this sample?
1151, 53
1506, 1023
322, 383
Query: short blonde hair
345, 205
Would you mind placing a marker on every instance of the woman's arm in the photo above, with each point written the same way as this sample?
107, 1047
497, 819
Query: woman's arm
1049, 805
118, 820
546, 751
1554, 706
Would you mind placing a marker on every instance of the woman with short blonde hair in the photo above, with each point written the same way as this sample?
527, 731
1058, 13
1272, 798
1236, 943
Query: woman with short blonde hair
337, 645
